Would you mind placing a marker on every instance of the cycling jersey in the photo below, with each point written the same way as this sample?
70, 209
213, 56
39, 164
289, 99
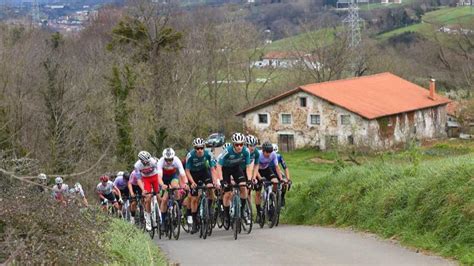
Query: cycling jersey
254, 157
264, 162
133, 178
105, 190
120, 183
169, 169
78, 191
229, 157
280, 161
60, 191
148, 170
195, 163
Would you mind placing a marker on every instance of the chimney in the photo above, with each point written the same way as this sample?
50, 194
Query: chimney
432, 89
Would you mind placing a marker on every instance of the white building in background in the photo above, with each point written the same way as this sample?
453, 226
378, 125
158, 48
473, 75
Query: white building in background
278, 59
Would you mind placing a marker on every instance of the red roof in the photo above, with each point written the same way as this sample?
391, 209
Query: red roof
369, 96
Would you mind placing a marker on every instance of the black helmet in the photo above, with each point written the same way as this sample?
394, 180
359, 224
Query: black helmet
126, 175
267, 146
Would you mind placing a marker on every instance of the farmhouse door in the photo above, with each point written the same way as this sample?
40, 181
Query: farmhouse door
286, 143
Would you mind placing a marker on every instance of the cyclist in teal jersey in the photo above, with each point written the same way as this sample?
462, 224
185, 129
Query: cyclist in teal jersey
228, 165
198, 162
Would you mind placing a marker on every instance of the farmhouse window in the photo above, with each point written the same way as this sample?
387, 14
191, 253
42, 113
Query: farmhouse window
263, 118
315, 120
303, 101
350, 139
345, 119
286, 119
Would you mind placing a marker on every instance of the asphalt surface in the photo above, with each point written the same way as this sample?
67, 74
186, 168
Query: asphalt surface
292, 245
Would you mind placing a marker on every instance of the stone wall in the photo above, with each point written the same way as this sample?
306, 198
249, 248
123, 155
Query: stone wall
379, 133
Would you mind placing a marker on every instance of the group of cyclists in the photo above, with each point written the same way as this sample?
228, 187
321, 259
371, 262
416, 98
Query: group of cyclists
240, 163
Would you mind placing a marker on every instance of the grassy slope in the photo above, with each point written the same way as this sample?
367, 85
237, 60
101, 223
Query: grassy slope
129, 246
424, 197
300, 41
432, 21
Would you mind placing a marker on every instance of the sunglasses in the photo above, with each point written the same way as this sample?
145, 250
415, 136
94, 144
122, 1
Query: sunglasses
267, 151
199, 148
169, 160
238, 144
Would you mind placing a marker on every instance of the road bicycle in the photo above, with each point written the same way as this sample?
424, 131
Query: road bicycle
173, 219
269, 200
205, 219
155, 216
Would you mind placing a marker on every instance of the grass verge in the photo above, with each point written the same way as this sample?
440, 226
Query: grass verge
127, 245
429, 205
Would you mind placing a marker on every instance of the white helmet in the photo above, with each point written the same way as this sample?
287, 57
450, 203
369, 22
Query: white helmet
238, 138
226, 145
59, 180
168, 153
144, 156
198, 142
120, 173
275, 147
42, 176
251, 140
72, 190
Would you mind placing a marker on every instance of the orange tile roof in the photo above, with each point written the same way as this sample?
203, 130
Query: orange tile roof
371, 97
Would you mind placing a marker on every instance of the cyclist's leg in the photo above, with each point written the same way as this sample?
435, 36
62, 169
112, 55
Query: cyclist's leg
258, 190
227, 197
148, 186
242, 181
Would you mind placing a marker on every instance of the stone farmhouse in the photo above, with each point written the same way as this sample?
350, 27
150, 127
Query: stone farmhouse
372, 112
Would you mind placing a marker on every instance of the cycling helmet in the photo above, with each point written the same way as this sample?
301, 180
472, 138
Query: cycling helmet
168, 153
267, 146
251, 140
238, 138
42, 176
77, 186
119, 174
72, 190
198, 142
104, 178
59, 180
275, 147
144, 156
226, 145
126, 175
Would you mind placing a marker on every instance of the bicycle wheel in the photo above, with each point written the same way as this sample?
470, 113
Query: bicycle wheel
176, 220
236, 215
155, 216
247, 220
262, 212
219, 212
278, 211
211, 222
204, 215
271, 209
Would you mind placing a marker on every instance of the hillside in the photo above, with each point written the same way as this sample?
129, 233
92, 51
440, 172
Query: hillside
455, 17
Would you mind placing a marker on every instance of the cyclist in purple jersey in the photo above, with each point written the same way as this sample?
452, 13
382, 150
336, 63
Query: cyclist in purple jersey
135, 187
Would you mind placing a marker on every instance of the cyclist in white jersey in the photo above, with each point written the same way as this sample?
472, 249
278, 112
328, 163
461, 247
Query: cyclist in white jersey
77, 191
106, 190
170, 173
146, 170
60, 191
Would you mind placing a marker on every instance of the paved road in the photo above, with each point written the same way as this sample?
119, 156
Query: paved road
292, 245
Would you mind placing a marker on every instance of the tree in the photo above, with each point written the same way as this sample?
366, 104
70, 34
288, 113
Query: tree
121, 84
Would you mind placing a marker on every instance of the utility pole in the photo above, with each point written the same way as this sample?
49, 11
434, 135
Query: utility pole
35, 15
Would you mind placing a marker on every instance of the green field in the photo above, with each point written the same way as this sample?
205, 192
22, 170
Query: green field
303, 41
432, 21
423, 196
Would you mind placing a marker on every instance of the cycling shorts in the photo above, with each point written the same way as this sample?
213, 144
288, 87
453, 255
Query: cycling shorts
110, 197
237, 174
168, 179
150, 182
125, 193
201, 177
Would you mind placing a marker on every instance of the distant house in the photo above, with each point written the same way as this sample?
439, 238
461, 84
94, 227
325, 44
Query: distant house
452, 125
277, 59
372, 112
391, 1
